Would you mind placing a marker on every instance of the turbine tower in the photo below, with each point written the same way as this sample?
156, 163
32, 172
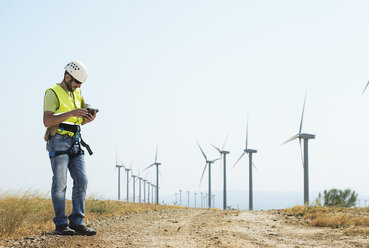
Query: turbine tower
118, 166
139, 188
157, 174
134, 188
127, 173
152, 192
148, 191
208, 164
144, 183
223, 153
188, 198
249, 153
305, 157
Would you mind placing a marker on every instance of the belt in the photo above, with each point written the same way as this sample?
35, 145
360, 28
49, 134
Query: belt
70, 128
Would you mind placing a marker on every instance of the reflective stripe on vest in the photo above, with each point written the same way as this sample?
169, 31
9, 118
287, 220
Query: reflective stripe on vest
67, 103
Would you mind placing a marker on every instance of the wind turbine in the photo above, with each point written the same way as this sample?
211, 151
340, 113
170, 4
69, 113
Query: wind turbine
118, 166
249, 153
208, 164
139, 188
134, 188
305, 157
148, 191
157, 174
188, 198
152, 192
127, 173
223, 153
144, 183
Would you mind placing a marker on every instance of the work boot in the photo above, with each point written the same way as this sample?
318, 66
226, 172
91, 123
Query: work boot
84, 230
64, 230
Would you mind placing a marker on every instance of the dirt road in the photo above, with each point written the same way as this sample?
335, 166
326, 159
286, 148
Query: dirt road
202, 228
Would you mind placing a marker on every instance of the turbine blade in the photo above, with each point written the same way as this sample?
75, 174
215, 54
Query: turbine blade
365, 87
302, 156
202, 151
156, 154
203, 172
148, 167
225, 141
247, 132
290, 139
217, 148
215, 160
238, 159
123, 164
302, 116
220, 167
254, 165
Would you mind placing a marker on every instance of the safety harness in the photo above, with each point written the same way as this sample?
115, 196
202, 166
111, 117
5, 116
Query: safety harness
77, 135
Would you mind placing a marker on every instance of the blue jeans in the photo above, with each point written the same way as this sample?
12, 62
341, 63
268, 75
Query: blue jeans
76, 166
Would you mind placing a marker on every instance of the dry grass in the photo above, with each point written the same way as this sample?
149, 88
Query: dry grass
28, 213
331, 216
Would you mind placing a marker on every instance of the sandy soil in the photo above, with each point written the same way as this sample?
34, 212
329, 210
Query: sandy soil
202, 228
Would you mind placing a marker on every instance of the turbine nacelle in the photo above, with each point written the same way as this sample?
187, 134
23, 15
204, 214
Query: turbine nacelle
307, 136
250, 151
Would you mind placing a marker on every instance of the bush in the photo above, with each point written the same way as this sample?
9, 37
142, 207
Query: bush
337, 198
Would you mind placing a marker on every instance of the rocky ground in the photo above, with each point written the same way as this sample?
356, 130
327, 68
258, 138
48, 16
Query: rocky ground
202, 228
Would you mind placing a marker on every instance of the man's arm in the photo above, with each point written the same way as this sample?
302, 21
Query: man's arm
53, 120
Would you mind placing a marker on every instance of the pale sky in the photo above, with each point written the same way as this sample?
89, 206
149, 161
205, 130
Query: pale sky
178, 72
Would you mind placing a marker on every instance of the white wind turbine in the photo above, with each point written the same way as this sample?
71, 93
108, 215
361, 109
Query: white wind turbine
119, 167
134, 187
249, 153
127, 173
208, 164
305, 156
157, 174
223, 154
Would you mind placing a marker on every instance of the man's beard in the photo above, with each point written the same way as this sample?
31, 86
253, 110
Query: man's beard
69, 85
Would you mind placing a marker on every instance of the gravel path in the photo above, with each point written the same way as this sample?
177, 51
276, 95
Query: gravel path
201, 228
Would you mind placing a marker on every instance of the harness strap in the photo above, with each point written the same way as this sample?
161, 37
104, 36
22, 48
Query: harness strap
84, 144
71, 155
76, 130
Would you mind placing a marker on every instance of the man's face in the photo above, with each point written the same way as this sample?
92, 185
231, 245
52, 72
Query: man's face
71, 83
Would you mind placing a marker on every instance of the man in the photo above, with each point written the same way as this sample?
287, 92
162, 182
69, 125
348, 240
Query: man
64, 112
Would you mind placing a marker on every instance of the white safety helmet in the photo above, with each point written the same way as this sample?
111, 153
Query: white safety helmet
77, 70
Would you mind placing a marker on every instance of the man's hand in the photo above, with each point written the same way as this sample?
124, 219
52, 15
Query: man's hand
89, 117
50, 131
79, 112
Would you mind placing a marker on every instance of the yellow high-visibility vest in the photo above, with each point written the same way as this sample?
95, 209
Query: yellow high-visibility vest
67, 103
